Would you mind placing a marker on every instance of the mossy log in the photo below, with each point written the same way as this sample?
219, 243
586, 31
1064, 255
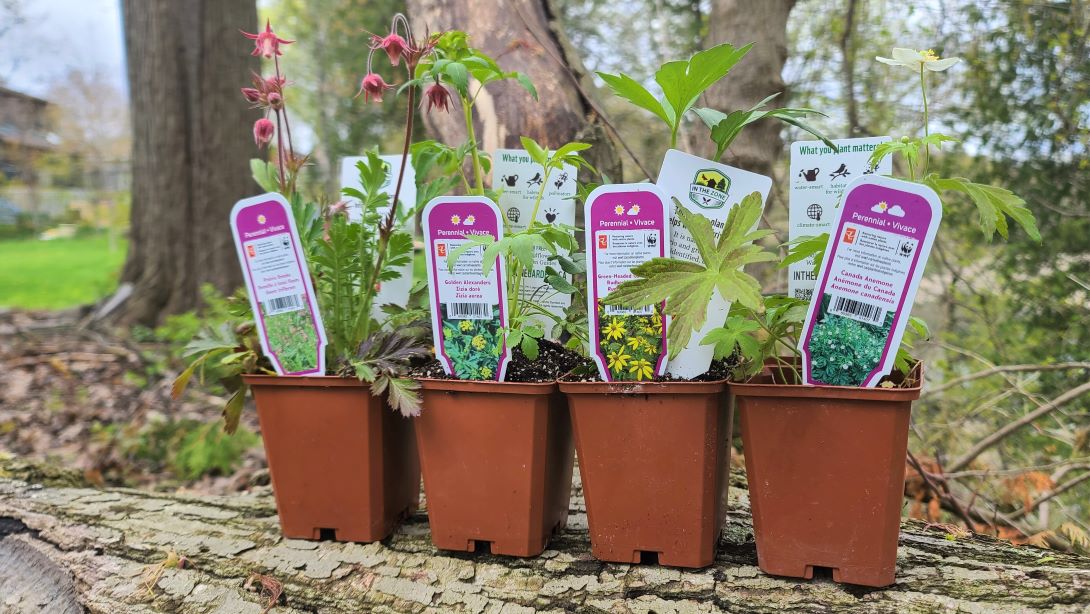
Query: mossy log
71, 549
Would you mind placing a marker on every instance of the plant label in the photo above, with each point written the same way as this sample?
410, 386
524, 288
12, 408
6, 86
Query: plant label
818, 177
468, 308
520, 180
395, 291
877, 252
278, 282
626, 226
712, 190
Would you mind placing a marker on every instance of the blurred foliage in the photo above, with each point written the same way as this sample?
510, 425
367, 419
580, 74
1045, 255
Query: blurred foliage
190, 449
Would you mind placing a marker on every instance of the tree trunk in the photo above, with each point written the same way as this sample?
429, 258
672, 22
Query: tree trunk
66, 549
758, 75
191, 147
522, 35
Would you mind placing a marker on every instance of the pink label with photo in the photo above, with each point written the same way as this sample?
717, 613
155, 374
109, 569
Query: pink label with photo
278, 283
468, 309
626, 225
877, 252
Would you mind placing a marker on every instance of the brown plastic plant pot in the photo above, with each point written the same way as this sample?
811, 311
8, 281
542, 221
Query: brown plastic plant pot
343, 464
826, 471
497, 461
654, 462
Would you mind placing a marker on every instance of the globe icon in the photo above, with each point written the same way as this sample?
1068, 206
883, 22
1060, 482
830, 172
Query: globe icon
814, 212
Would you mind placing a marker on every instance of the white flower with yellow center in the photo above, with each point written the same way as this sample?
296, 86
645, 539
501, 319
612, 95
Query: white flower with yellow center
918, 60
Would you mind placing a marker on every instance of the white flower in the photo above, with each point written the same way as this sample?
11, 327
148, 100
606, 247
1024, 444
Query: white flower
918, 60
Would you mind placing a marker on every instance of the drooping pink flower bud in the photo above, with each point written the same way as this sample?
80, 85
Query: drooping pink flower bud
437, 97
263, 131
372, 85
266, 44
338, 208
273, 83
394, 46
276, 101
251, 94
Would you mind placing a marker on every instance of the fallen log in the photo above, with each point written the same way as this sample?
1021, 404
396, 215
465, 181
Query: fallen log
70, 549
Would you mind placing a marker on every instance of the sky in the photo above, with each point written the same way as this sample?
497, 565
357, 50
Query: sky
60, 35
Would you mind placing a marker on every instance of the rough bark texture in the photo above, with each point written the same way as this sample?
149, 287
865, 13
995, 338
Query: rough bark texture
758, 75
191, 148
71, 547
522, 35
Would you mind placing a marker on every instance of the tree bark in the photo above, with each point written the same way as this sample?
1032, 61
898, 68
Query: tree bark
758, 75
191, 149
522, 35
71, 548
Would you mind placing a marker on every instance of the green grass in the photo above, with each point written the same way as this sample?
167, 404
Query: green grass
59, 273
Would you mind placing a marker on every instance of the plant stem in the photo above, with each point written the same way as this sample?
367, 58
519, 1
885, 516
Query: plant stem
280, 157
926, 121
287, 126
478, 173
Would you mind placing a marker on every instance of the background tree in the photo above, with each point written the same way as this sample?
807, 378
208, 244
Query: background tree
191, 147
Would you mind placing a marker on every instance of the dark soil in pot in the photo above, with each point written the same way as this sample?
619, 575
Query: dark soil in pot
343, 464
497, 456
826, 468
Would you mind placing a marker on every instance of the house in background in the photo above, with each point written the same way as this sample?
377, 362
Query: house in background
24, 136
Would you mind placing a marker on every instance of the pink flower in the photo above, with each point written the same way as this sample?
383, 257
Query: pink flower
263, 131
251, 94
437, 97
276, 101
266, 44
393, 45
372, 85
275, 83
338, 208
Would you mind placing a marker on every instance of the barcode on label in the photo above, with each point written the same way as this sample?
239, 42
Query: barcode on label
857, 310
469, 311
283, 304
617, 310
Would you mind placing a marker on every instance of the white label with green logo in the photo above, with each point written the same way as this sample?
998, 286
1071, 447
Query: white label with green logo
712, 190
395, 291
519, 180
818, 178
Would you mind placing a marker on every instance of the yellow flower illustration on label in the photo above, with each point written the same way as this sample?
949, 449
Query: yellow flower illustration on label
618, 360
479, 342
633, 342
486, 372
642, 369
465, 325
614, 330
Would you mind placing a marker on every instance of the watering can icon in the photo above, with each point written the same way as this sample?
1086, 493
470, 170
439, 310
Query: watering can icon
810, 175
510, 180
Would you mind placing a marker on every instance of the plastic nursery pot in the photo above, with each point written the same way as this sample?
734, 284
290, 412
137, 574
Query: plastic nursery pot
654, 462
497, 461
343, 464
826, 471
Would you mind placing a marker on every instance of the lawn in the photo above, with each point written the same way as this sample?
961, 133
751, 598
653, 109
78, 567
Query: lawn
59, 273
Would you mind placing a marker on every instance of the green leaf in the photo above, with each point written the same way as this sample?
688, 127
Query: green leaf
682, 82
265, 175
628, 88
232, 411
459, 77
536, 151
736, 333
529, 347
803, 247
994, 205
528, 85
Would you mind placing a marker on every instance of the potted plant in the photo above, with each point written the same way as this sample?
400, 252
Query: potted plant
343, 465
497, 455
826, 464
653, 454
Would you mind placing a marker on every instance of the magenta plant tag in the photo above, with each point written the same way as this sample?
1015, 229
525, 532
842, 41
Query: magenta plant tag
877, 252
626, 225
278, 282
468, 308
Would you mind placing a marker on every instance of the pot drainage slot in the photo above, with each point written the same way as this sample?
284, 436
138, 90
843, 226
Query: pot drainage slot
482, 547
327, 534
648, 557
824, 573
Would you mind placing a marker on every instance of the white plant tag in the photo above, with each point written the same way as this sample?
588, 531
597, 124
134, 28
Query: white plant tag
521, 180
395, 291
712, 190
468, 309
626, 226
867, 283
818, 177
278, 283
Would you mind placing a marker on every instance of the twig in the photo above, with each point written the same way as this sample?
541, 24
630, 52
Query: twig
943, 495
1055, 492
1006, 369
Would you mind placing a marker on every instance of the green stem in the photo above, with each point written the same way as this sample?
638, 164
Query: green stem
926, 121
673, 135
478, 173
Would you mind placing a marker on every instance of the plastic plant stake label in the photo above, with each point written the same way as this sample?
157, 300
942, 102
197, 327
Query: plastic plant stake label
278, 283
468, 309
519, 180
395, 291
818, 177
626, 226
712, 190
868, 280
